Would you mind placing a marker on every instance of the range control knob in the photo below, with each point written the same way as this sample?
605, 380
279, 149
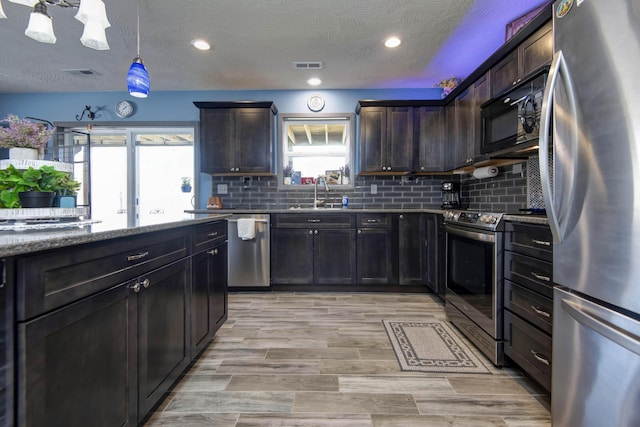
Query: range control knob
488, 219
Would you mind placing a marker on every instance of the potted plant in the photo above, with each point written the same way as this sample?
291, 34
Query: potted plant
67, 191
24, 139
286, 173
33, 188
448, 85
186, 184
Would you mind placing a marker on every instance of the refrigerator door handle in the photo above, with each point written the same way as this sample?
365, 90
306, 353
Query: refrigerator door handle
558, 68
591, 320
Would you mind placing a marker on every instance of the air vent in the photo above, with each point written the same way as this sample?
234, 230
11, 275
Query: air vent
80, 72
308, 65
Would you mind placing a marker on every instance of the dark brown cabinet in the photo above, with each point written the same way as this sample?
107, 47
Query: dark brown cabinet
376, 249
435, 254
236, 138
162, 339
431, 139
105, 328
532, 54
209, 294
528, 299
411, 253
313, 249
77, 365
386, 140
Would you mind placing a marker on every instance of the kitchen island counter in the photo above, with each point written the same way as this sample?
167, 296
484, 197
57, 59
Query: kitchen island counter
28, 241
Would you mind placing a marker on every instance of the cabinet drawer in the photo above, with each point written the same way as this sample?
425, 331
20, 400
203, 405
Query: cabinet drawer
374, 220
206, 236
48, 280
529, 348
527, 239
531, 306
529, 272
320, 220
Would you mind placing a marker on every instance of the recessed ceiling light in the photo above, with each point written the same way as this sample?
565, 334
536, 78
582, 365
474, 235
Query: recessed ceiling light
200, 44
392, 42
314, 81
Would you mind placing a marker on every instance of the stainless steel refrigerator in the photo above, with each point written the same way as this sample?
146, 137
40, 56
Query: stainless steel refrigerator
592, 196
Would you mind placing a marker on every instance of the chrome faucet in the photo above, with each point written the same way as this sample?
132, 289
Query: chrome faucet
317, 203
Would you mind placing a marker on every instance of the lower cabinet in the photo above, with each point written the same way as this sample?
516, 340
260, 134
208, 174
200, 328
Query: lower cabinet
313, 249
77, 365
162, 340
436, 254
412, 260
108, 358
209, 296
376, 249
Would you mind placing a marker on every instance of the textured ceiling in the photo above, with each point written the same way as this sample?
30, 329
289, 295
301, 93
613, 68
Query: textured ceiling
255, 42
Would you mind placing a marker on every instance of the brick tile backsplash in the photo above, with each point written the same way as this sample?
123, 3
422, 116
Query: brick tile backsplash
507, 192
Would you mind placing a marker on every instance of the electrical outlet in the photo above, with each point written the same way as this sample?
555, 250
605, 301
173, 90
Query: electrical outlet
374, 188
222, 189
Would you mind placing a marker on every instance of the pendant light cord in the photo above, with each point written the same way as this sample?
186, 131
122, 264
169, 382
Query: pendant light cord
138, 24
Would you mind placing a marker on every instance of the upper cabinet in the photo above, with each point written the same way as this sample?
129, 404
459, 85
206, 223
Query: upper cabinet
386, 139
533, 53
431, 125
236, 137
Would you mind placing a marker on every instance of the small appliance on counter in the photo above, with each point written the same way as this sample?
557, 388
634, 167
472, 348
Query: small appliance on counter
450, 195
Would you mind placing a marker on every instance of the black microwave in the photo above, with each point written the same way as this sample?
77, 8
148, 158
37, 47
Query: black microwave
512, 120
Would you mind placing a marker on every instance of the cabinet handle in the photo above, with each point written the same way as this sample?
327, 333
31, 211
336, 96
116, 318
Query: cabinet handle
540, 358
146, 283
373, 221
540, 276
541, 242
540, 311
136, 287
313, 220
214, 234
138, 256
213, 252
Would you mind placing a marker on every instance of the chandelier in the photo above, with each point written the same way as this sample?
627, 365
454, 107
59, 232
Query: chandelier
91, 13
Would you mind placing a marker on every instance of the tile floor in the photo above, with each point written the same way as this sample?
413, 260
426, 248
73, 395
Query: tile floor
324, 359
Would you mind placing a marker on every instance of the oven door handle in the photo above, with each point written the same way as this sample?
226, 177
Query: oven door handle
473, 235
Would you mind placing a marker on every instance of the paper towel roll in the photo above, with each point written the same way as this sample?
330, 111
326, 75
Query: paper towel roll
486, 172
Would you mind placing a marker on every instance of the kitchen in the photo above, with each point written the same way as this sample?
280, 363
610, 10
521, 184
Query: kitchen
425, 187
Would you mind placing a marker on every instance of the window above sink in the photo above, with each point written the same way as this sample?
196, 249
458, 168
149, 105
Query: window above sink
315, 145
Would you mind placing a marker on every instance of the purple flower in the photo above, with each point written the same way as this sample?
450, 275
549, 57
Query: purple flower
24, 133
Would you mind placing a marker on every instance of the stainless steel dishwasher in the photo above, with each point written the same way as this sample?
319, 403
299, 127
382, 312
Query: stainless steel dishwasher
249, 260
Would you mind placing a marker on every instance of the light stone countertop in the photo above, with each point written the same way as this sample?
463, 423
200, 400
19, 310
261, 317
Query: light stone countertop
22, 242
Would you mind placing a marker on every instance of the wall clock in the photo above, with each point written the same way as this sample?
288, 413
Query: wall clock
124, 109
315, 103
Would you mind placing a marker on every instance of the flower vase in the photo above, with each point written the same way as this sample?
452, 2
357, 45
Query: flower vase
21, 153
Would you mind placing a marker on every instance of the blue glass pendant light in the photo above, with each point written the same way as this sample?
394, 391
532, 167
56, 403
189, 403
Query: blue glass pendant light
138, 77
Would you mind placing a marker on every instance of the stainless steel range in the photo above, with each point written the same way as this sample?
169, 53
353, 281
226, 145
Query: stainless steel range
475, 278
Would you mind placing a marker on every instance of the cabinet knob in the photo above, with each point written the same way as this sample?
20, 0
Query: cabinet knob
146, 283
310, 231
213, 252
359, 231
384, 168
315, 231
388, 168
136, 287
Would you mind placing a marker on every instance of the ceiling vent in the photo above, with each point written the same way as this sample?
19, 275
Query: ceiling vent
317, 65
80, 72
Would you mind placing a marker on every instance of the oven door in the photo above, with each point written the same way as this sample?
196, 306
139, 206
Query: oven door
473, 276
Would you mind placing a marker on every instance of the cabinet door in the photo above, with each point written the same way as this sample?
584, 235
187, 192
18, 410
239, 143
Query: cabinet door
375, 256
537, 50
481, 94
504, 74
78, 364
411, 249
464, 128
431, 139
450, 141
201, 301
373, 138
334, 256
217, 153
431, 232
163, 348
292, 256
400, 155
253, 138
219, 293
